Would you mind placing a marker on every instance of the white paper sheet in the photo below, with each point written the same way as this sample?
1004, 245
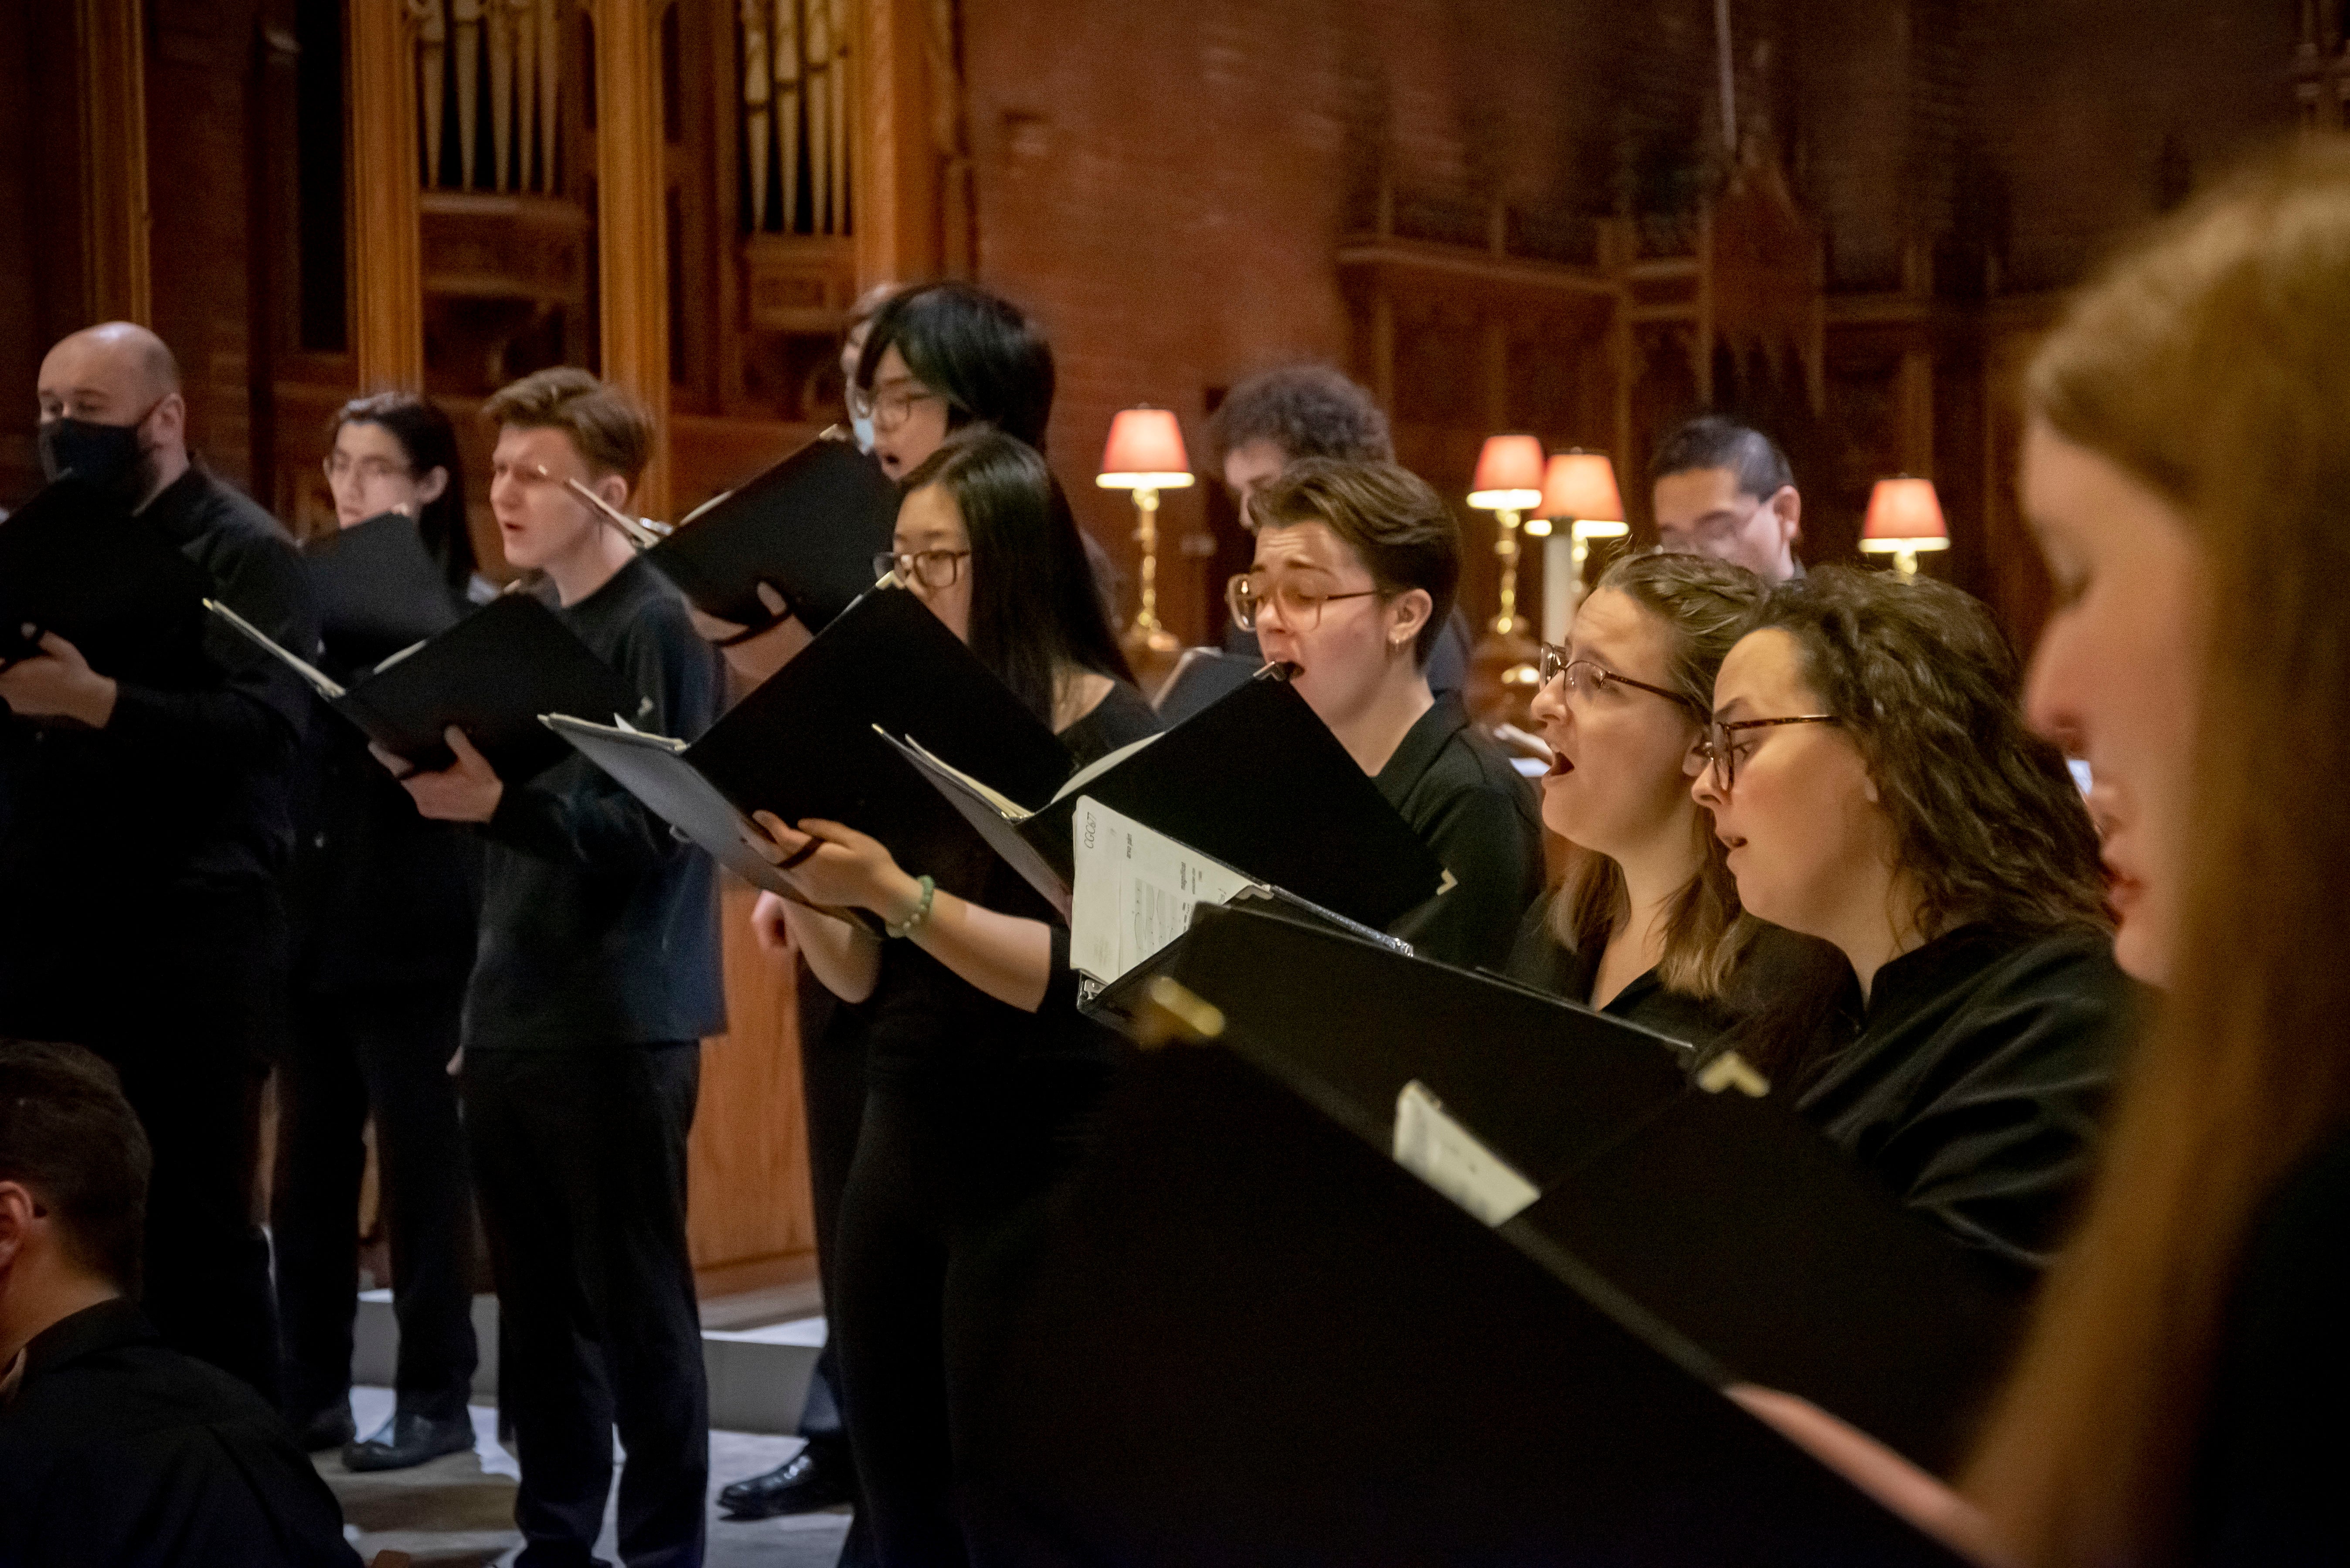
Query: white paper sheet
1134, 890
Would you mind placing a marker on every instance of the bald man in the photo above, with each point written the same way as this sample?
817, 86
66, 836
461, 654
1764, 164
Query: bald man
143, 834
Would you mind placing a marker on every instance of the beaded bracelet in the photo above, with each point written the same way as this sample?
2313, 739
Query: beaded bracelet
906, 927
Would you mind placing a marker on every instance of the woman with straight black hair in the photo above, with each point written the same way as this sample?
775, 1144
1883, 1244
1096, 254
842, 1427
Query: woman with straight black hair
982, 1073
944, 356
383, 903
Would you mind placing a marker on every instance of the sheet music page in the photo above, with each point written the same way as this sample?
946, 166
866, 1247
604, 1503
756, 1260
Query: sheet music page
1134, 890
1099, 766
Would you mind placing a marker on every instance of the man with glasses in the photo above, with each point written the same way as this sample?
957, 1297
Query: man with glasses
143, 832
1723, 489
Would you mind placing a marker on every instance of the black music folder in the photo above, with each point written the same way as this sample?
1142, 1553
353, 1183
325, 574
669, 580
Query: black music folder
78, 564
492, 675
809, 526
806, 743
1255, 780
378, 588
1709, 1204
1244, 1335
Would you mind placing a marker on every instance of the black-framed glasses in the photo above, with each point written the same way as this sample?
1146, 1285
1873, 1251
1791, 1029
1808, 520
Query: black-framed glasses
931, 568
890, 407
1300, 607
1721, 753
1589, 678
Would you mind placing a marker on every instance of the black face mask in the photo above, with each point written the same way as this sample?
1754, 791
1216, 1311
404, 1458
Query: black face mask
109, 457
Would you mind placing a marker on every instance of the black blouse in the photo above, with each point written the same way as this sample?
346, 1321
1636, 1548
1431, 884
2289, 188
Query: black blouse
1537, 959
1464, 799
1976, 1076
2271, 1450
930, 1028
1775, 961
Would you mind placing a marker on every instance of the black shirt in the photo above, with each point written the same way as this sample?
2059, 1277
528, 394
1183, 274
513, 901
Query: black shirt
928, 1027
599, 927
185, 792
1773, 960
2272, 1451
382, 898
1976, 1078
1464, 799
116, 1450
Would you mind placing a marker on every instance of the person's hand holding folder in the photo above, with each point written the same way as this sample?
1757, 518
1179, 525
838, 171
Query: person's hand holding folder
833, 864
57, 683
467, 790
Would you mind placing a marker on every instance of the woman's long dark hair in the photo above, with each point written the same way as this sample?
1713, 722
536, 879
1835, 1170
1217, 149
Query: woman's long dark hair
1033, 610
428, 437
974, 348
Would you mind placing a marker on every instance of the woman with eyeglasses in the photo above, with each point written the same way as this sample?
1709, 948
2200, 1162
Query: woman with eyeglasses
1869, 772
982, 1075
1355, 571
382, 902
1646, 924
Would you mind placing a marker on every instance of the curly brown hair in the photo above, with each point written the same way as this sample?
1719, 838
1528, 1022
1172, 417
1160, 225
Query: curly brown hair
1986, 818
1705, 606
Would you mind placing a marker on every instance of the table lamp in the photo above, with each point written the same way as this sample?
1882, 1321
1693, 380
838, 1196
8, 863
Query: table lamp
1579, 489
1508, 481
1904, 516
1145, 454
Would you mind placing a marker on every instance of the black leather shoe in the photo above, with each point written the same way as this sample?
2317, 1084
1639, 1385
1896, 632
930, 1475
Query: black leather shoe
408, 1439
329, 1428
819, 1476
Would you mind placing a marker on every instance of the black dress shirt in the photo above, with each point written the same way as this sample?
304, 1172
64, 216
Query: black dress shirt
186, 793
1464, 799
2272, 1451
599, 927
1976, 1079
382, 897
116, 1449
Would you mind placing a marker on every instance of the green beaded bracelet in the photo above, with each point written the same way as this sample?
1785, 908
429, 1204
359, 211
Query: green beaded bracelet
906, 927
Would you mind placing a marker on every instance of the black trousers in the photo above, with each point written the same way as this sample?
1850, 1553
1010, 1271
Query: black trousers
832, 1088
579, 1158
352, 1053
937, 1230
189, 1016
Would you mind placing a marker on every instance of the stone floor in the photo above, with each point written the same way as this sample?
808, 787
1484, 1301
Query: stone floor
459, 1509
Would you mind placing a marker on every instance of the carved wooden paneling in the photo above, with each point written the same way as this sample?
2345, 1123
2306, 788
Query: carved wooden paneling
115, 213
387, 268
746, 1162
632, 242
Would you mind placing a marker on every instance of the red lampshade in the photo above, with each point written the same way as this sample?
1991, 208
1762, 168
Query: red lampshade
1581, 485
1145, 452
1904, 514
1509, 473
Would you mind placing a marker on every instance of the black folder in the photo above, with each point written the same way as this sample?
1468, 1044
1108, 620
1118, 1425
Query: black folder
1255, 780
810, 526
492, 675
378, 588
78, 564
804, 743
1244, 1335
1722, 1214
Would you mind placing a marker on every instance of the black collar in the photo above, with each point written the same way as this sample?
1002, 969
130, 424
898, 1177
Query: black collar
175, 508
106, 1327
1421, 746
